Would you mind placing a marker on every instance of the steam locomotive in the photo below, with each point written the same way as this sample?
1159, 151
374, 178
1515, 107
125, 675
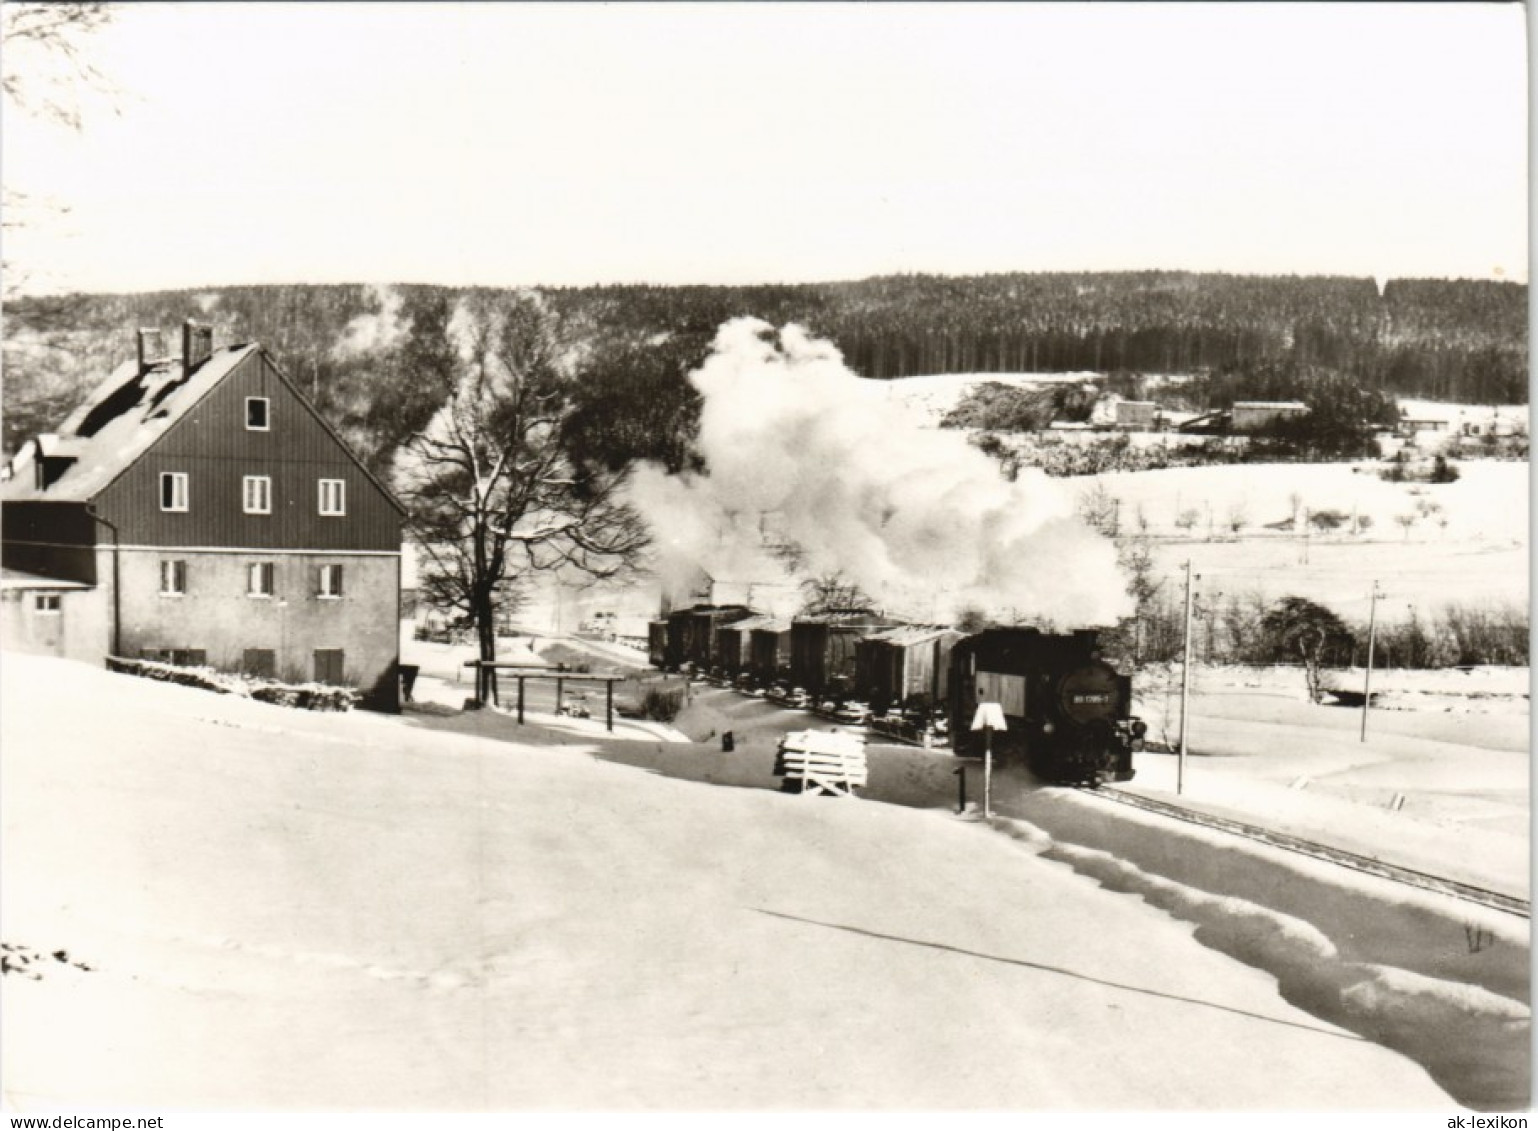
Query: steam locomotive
1067, 712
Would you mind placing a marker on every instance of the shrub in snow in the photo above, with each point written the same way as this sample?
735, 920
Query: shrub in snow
310, 696
661, 705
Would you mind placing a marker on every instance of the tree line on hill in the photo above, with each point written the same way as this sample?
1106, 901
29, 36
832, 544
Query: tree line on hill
1243, 337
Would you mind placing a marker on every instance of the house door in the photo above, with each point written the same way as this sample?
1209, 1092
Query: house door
328, 665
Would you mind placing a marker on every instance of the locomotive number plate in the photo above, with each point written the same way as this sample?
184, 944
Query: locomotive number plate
1086, 698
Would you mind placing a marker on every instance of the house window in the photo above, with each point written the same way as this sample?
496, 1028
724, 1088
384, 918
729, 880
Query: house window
333, 496
173, 490
259, 579
256, 414
46, 603
262, 662
330, 581
328, 665
179, 657
256, 494
173, 578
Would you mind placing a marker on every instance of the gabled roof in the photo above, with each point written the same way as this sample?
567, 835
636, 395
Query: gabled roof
20, 579
123, 418
118, 423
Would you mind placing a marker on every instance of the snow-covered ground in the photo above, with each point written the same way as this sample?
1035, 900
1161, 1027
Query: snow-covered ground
264, 908
1479, 556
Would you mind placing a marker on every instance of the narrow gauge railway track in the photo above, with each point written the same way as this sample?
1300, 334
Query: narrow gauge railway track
1367, 864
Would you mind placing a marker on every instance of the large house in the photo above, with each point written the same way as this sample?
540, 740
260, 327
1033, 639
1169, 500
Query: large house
196, 509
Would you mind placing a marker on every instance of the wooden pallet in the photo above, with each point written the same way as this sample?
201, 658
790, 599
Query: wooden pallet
823, 762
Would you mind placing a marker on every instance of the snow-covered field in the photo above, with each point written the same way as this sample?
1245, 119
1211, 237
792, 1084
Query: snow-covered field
1479, 556
262, 908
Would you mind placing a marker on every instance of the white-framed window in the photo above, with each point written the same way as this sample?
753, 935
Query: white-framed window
173, 490
333, 496
256, 494
329, 581
258, 414
173, 578
259, 579
48, 604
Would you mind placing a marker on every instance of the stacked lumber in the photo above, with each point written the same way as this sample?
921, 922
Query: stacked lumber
825, 762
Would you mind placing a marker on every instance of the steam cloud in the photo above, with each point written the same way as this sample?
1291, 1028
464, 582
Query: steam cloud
922, 521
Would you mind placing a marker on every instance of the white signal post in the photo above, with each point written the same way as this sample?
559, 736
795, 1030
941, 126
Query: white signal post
989, 717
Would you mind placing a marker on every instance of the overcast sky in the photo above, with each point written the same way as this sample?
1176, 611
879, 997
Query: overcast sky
551, 143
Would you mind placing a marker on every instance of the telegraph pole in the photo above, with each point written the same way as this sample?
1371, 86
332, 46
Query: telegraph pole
1185, 690
1372, 625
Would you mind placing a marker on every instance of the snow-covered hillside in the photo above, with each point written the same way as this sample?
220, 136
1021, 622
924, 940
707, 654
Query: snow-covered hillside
262, 908
930, 398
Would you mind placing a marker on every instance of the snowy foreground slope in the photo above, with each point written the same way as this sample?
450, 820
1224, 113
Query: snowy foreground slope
285, 910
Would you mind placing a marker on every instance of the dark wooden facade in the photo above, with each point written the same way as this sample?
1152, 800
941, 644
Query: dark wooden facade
51, 539
212, 445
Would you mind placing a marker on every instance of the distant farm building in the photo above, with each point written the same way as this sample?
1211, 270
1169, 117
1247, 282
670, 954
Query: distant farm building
1138, 416
196, 509
1251, 416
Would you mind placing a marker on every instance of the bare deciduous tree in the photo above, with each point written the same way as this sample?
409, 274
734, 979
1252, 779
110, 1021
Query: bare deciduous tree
493, 493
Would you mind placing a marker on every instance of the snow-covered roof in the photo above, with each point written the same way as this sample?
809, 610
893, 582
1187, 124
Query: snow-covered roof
748, 624
1293, 406
21, 579
907, 635
118, 423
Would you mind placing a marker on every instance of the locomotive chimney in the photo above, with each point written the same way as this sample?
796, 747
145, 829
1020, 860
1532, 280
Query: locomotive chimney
197, 344
152, 348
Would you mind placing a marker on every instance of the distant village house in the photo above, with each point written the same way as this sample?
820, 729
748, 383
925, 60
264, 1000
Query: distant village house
1252, 416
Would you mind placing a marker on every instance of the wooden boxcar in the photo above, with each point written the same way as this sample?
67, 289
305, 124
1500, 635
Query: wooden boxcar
897, 664
769, 650
708, 620
822, 650
734, 644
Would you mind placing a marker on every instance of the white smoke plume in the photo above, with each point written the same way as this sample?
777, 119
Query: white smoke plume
381, 329
917, 517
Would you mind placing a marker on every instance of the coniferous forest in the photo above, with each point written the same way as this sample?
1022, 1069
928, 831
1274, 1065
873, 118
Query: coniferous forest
347, 346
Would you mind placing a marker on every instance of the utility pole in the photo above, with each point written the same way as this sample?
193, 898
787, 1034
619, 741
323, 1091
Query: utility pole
1372, 625
1185, 690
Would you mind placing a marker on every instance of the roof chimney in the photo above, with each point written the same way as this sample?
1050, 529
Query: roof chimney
152, 349
197, 344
